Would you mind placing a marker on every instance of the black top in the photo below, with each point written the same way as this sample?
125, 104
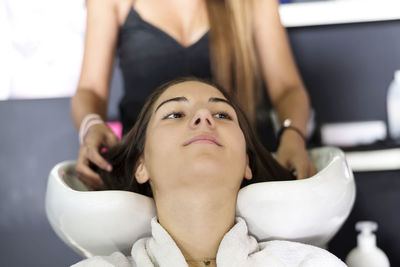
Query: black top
150, 57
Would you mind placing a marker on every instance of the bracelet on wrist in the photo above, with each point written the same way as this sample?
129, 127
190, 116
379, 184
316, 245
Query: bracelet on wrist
287, 125
88, 121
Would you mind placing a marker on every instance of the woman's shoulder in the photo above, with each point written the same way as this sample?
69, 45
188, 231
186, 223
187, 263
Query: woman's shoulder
117, 259
298, 254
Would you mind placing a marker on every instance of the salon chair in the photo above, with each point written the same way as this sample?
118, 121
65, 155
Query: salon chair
101, 222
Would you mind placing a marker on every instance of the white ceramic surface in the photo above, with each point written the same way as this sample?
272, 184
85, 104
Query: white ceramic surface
310, 210
100, 222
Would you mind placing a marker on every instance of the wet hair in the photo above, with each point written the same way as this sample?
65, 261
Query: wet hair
125, 155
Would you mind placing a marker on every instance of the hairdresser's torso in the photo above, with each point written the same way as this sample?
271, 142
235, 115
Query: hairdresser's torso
185, 21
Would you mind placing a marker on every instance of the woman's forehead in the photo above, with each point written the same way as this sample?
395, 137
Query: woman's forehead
192, 90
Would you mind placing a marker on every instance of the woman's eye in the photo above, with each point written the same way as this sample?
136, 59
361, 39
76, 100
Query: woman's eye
174, 115
222, 115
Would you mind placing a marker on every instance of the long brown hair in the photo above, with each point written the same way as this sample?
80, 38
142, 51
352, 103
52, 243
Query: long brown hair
124, 156
233, 55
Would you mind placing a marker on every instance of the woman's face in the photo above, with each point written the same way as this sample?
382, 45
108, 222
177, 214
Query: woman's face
193, 139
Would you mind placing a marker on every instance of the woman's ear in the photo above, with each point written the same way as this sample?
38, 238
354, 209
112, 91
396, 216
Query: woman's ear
141, 172
248, 174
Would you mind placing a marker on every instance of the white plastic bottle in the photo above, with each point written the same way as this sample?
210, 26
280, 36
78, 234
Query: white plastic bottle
393, 107
367, 254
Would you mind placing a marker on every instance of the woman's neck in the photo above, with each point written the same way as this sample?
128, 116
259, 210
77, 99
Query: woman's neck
197, 222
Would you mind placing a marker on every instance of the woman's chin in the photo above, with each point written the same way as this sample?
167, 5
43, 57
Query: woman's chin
205, 168
205, 159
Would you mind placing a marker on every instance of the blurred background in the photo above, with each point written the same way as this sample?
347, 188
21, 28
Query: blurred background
347, 52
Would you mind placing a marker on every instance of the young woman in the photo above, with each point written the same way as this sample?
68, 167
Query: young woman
193, 148
239, 44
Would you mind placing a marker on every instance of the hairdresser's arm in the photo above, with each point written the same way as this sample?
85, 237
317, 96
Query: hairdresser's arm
285, 87
92, 93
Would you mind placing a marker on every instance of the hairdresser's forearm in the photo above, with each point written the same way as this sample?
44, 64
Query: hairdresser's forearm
294, 104
86, 101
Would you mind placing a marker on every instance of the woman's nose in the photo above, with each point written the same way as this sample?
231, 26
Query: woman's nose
202, 118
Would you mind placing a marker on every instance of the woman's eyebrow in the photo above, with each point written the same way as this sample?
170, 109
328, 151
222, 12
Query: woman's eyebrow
182, 98
178, 99
217, 99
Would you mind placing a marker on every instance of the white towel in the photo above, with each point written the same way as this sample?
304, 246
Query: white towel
237, 249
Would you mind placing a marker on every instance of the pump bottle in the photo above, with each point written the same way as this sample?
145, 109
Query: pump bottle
367, 254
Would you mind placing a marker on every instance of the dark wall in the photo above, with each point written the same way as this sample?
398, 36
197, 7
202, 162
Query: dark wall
346, 68
34, 136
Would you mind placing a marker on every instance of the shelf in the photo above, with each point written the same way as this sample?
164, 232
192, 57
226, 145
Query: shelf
374, 160
338, 12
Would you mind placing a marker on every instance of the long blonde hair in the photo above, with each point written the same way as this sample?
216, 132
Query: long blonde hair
233, 55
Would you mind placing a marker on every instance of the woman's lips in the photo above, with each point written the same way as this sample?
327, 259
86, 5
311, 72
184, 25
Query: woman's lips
203, 139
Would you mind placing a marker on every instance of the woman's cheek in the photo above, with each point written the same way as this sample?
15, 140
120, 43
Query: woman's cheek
163, 142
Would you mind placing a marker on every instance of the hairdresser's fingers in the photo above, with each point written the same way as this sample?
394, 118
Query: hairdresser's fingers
305, 168
302, 170
93, 155
313, 170
85, 173
93, 141
95, 138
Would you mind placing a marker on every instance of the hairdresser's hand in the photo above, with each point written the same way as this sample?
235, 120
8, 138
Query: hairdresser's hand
293, 155
97, 137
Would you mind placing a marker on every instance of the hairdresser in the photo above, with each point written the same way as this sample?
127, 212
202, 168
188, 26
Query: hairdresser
240, 45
